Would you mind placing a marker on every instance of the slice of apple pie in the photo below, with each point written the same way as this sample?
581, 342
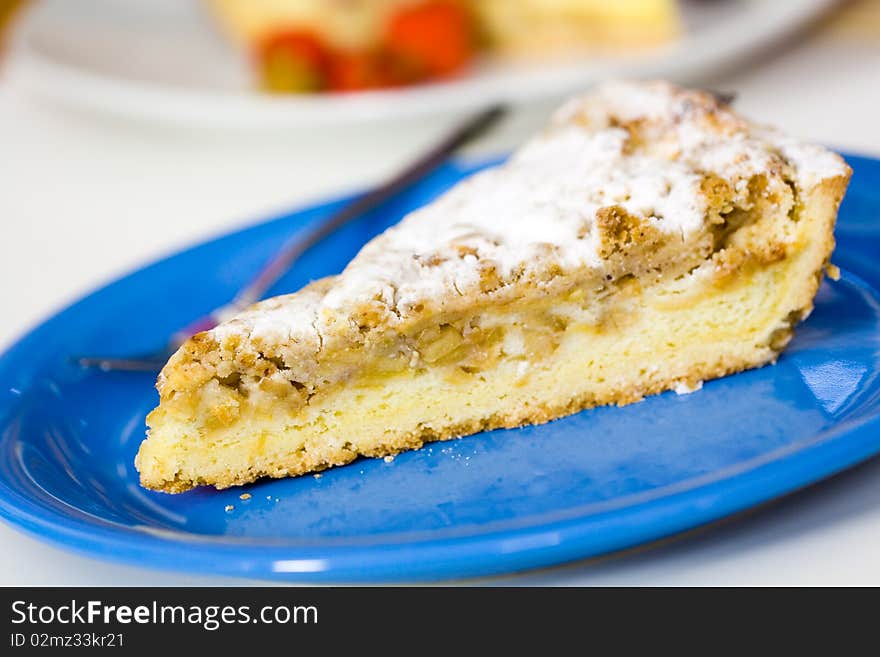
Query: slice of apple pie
649, 239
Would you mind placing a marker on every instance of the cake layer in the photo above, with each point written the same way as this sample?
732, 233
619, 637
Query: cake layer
352, 24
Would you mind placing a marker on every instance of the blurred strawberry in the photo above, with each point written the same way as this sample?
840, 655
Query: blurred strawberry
357, 71
293, 61
431, 39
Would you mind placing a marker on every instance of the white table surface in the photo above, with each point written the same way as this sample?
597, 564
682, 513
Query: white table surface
84, 199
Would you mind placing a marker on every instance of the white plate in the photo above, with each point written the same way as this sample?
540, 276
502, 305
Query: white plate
165, 60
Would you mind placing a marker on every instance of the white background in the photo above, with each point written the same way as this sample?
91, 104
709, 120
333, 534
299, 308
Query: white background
84, 199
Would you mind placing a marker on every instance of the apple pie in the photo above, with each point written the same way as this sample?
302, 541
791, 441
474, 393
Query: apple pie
649, 239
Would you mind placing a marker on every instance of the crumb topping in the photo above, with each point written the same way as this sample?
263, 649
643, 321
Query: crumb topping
626, 162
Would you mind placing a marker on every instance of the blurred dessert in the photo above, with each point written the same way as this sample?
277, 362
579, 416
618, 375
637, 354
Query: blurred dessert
350, 45
536, 27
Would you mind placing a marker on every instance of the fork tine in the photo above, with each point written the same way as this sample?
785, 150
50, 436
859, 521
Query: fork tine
148, 364
723, 97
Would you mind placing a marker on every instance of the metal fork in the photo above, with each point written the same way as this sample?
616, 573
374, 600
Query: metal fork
281, 262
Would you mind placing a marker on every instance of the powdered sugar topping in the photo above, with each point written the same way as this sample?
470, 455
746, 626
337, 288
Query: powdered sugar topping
646, 148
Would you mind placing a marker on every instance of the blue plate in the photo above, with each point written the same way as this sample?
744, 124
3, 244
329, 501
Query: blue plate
601, 480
